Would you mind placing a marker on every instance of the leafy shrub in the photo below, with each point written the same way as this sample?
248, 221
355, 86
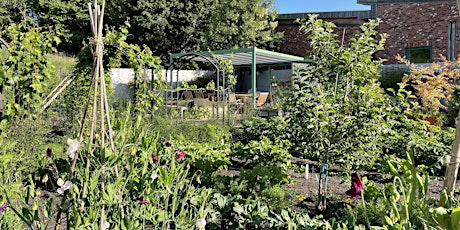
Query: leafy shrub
429, 144
264, 153
433, 86
206, 132
453, 107
206, 160
276, 197
256, 128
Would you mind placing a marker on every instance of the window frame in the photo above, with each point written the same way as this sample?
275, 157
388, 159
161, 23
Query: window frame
409, 49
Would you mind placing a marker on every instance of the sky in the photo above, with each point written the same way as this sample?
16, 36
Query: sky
303, 6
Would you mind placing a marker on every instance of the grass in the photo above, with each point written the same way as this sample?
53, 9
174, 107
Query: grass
64, 64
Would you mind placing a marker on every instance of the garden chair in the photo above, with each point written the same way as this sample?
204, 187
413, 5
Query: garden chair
199, 95
235, 102
188, 95
188, 99
262, 99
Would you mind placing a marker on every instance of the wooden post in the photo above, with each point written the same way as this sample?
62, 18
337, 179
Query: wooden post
453, 163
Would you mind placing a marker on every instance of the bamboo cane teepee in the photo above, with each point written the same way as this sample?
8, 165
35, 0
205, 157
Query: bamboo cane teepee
100, 109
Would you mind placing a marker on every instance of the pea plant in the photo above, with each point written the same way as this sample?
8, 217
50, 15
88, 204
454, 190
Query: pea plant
155, 187
26, 70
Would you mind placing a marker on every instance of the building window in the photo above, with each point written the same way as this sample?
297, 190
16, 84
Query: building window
420, 54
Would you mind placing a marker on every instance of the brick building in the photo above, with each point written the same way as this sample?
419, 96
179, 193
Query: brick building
421, 30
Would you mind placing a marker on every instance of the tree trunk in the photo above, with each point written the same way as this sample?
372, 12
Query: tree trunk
453, 163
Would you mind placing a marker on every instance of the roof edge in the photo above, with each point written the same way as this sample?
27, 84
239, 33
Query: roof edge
371, 2
359, 14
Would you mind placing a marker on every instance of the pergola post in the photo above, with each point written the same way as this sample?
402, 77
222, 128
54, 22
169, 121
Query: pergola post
253, 75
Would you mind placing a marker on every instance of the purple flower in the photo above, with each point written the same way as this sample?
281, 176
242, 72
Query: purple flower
3, 207
168, 144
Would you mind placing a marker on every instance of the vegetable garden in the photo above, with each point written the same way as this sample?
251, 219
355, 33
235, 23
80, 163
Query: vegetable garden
164, 173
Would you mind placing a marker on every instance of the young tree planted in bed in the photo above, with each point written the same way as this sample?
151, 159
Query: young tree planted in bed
336, 108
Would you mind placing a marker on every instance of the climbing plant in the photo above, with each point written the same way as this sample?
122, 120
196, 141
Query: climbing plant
147, 95
118, 52
226, 67
26, 69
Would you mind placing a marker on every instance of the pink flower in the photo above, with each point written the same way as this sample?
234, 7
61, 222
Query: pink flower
180, 155
356, 186
155, 159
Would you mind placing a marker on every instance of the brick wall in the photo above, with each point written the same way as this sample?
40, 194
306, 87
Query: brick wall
296, 42
416, 24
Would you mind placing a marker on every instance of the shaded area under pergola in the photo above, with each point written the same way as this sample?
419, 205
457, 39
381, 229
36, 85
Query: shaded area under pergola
241, 57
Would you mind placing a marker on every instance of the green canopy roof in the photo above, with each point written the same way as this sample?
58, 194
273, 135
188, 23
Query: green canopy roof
246, 56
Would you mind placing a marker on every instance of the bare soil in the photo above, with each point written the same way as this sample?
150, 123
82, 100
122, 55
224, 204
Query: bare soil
336, 186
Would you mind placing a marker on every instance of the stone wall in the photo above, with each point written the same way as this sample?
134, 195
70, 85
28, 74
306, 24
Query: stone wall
122, 77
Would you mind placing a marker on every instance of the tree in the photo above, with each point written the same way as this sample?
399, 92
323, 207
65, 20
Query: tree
167, 26
70, 18
11, 11
242, 24
336, 109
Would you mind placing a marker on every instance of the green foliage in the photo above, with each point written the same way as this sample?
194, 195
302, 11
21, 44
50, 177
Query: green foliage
71, 18
26, 71
264, 153
276, 197
23, 164
407, 195
256, 128
211, 132
242, 24
453, 107
227, 69
147, 96
11, 11
446, 218
147, 92
433, 85
33, 214
336, 109
429, 144
206, 159
164, 26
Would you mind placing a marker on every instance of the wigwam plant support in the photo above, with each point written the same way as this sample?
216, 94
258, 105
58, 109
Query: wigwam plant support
100, 113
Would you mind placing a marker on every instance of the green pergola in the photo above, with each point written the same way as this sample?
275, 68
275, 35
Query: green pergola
243, 57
